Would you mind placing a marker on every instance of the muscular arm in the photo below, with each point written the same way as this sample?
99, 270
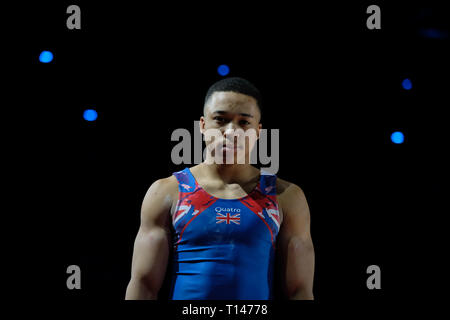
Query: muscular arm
295, 247
152, 244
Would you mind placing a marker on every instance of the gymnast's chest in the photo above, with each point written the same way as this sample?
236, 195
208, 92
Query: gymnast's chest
223, 222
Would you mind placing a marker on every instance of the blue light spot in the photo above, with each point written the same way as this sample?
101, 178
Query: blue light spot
45, 57
407, 84
223, 70
433, 33
397, 137
90, 115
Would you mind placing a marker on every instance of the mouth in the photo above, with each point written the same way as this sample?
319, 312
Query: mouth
231, 147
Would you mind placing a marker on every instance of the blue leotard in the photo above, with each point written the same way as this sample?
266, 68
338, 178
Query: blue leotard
224, 248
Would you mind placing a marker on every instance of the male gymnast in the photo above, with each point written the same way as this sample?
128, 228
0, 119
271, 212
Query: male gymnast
227, 224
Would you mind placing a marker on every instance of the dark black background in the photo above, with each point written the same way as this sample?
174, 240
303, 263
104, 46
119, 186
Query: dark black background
330, 85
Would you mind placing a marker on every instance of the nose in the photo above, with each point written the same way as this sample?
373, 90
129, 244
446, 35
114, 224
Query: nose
229, 129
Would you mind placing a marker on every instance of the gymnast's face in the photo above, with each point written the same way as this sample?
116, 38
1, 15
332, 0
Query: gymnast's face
235, 118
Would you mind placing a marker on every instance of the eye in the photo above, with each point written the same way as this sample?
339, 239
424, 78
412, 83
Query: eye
244, 122
220, 119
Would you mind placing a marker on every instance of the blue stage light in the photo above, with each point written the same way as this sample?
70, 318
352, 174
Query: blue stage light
397, 137
45, 57
223, 70
90, 115
407, 84
433, 33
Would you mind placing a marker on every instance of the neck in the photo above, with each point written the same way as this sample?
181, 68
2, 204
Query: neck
230, 173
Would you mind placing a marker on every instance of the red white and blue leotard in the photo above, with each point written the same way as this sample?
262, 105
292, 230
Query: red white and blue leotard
224, 248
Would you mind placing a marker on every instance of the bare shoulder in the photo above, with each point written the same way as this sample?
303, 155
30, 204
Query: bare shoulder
159, 199
163, 188
290, 195
288, 189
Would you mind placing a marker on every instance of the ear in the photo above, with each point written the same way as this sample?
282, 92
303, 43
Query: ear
202, 124
259, 130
